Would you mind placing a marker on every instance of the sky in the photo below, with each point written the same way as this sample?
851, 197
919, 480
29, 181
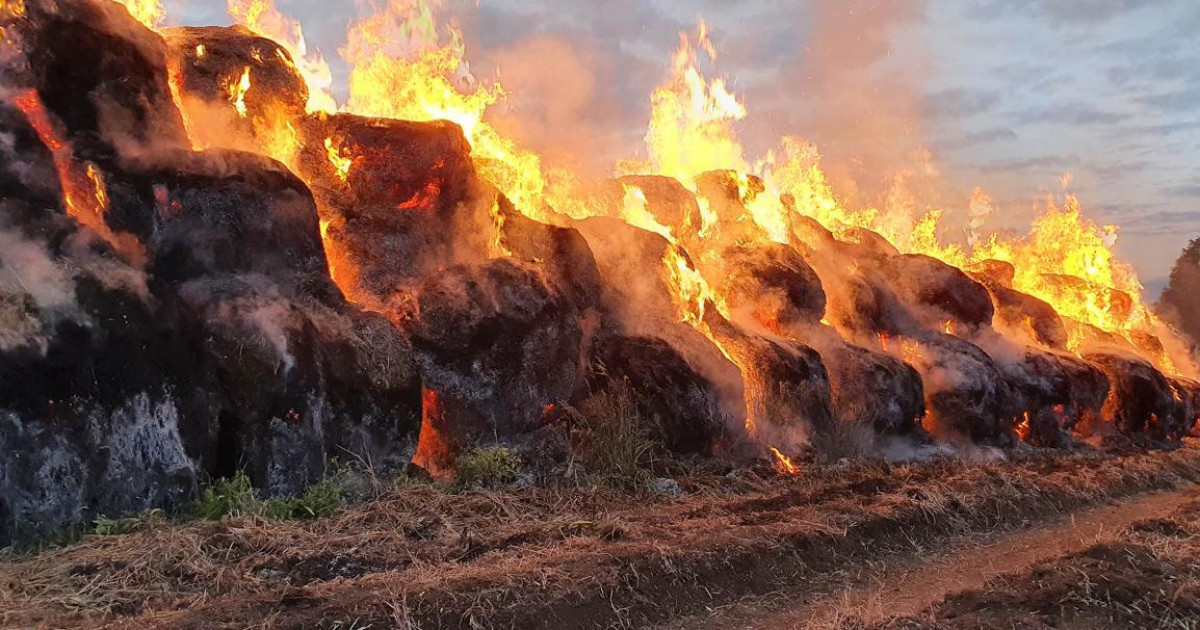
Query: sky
1008, 95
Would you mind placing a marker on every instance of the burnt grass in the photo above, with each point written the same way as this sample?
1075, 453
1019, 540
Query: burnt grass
588, 557
1148, 578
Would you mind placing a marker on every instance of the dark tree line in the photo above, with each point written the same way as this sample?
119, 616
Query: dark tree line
1180, 303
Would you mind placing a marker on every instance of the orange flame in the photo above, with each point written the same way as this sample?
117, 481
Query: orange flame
1023, 429
85, 194
784, 464
237, 92
262, 17
339, 159
148, 12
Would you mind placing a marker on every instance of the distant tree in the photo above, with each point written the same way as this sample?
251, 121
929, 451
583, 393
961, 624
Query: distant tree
1180, 303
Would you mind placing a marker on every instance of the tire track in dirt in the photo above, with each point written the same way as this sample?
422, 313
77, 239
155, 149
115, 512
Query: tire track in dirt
910, 583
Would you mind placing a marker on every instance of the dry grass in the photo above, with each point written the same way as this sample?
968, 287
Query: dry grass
1148, 578
613, 438
581, 558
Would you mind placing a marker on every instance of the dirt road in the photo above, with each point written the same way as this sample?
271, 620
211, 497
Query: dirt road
909, 583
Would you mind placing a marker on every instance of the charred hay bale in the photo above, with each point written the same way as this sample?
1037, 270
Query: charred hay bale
27, 168
1055, 392
220, 212
1141, 400
874, 390
685, 409
1190, 393
394, 164
121, 389
100, 72
495, 344
967, 394
769, 283
562, 251
787, 392
211, 61
102, 408
301, 381
1183, 420
926, 282
1021, 315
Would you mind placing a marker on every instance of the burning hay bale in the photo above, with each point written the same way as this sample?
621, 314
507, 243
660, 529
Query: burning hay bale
966, 391
688, 415
1141, 400
770, 283
496, 343
250, 284
1056, 392
252, 78
399, 202
940, 292
873, 390
99, 72
562, 252
667, 201
393, 164
1021, 316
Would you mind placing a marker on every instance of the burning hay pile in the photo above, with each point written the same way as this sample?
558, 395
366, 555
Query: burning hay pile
206, 266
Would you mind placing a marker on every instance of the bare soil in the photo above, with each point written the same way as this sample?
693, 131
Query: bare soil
1148, 576
908, 583
421, 557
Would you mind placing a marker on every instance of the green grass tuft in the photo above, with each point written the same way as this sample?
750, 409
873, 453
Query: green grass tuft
235, 497
488, 467
104, 526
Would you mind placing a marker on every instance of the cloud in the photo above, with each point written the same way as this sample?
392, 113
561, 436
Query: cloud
1077, 114
1046, 163
960, 102
1186, 190
986, 136
1063, 12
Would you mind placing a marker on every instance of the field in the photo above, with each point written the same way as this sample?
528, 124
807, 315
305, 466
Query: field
1037, 540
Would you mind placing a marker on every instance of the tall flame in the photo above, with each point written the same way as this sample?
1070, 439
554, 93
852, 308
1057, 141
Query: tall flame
148, 12
691, 121
406, 66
